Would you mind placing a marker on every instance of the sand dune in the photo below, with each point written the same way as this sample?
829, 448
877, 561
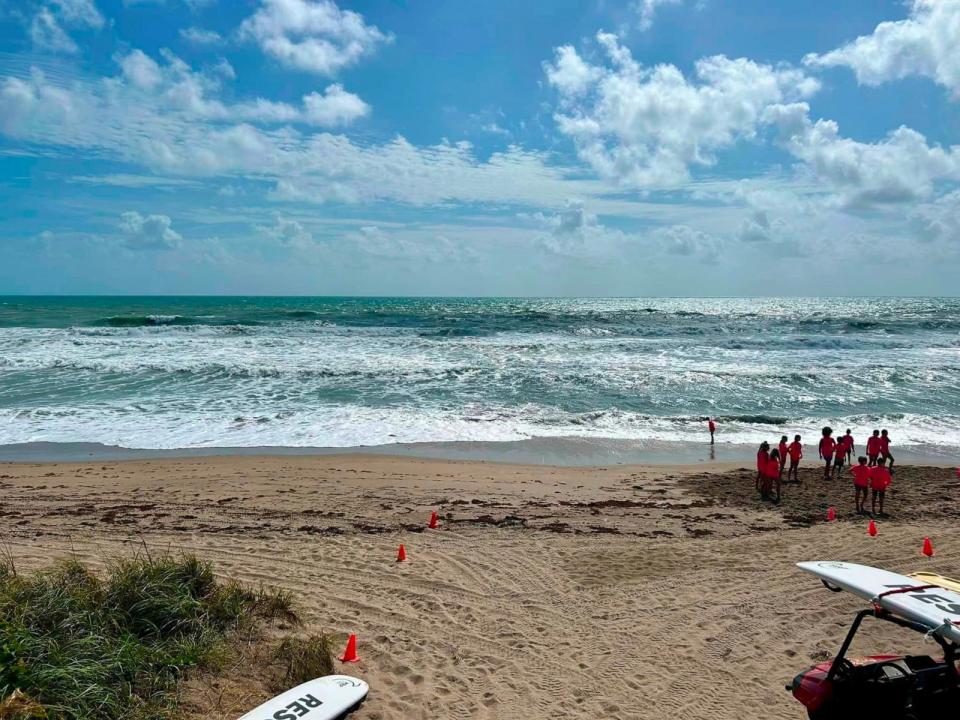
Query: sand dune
623, 592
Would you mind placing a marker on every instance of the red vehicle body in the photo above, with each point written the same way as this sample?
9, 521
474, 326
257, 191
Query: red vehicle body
882, 687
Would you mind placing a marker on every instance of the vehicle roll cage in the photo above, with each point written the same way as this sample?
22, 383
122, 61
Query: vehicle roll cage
950, 650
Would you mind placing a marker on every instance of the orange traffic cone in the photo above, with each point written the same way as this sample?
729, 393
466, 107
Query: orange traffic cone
350, 653
872, 529
831, 515
927, 547
402, 554
434, 520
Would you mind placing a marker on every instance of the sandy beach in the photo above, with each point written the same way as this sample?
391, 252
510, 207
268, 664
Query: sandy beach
547, 592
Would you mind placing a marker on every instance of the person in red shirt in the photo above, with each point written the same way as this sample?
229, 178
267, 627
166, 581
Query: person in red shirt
763, 454
826, 449
873, 448
880, 480
885, 449
840, 453
782, 452
795, 450
712, 426
848, 441
861, 483
771, 476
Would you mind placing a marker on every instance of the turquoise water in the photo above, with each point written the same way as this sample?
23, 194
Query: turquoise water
199, 372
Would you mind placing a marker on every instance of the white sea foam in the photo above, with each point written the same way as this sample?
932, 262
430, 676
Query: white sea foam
352, 426
564, 369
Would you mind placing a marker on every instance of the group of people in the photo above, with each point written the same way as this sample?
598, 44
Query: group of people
873, 471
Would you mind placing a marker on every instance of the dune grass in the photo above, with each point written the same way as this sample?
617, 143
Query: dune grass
303, 659
77, 645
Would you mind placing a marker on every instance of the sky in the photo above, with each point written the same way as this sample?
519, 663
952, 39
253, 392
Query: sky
544, 147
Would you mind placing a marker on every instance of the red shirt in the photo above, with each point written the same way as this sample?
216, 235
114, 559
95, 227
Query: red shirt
846, 442
773, 468
873, 445
712, 425
861, 475
783, 451
762, 460
795, 449
827, 446
880, 478
884, 444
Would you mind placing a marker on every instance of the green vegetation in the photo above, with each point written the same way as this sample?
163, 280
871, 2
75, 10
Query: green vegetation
303, 659
77, 645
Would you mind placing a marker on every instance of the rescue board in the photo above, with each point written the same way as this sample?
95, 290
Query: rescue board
325, 698
937, 608
926, 578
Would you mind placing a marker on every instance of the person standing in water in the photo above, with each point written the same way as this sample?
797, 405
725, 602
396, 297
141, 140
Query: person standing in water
712, 427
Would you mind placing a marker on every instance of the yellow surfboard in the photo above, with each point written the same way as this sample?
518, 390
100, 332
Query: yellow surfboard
934, 579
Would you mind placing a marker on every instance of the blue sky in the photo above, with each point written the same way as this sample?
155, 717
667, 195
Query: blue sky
653, 147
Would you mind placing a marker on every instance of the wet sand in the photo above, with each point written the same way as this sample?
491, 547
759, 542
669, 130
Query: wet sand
620, 592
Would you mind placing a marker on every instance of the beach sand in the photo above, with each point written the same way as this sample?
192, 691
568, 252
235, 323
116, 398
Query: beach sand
621, 592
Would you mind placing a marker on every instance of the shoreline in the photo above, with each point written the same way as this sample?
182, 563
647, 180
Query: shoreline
571, 452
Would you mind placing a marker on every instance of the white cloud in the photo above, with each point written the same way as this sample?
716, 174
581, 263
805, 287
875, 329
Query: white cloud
493, 128
782, 237
647, 9
47, 31
569, 73
938, 221
689, 242
335, 107
79, 13
174, 87
180, 127
575, 232
140, 69
332, 168
132, 181
288, 233
152, 232
899, 168
230, 191
409, 245
200, 36
46, 34
36, 107
312, 35
924, 44
756, 228
645, 127
225, 69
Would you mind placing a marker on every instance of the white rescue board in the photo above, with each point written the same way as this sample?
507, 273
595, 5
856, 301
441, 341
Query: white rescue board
937, 609
324, 698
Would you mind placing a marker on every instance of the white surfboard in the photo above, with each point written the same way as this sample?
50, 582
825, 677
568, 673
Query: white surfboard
937, 609
325, 698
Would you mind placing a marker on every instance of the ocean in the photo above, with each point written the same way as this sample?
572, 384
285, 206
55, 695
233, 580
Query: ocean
203, 372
